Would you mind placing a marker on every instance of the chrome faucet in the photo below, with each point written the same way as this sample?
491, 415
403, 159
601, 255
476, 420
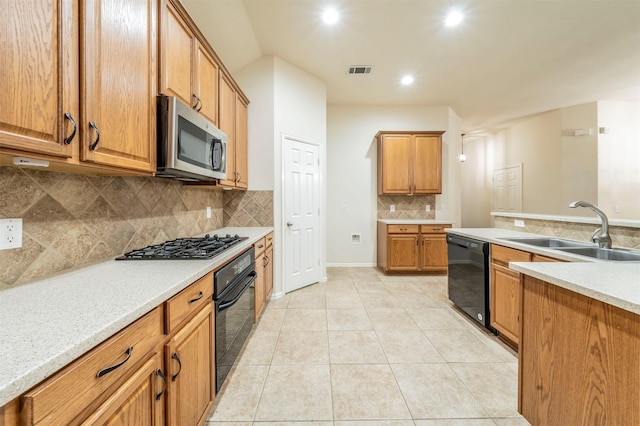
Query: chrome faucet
604, 239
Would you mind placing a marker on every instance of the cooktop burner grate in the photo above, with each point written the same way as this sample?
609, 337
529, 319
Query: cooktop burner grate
185, 248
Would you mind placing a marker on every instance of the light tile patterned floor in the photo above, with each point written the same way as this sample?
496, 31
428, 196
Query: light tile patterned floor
369, 349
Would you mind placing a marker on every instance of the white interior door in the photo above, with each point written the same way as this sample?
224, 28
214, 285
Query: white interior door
301, 213
507, 189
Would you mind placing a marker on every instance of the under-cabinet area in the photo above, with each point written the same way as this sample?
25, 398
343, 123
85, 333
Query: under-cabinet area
158, 369
414, 246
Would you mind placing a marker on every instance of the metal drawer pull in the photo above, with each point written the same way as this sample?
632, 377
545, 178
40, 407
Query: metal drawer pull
177, 358
108, 370
260, 246
68, 140
164, 379
195, 299
93, 146
266, 261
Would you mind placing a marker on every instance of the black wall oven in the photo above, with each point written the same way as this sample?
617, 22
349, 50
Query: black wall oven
468, 277
233, 295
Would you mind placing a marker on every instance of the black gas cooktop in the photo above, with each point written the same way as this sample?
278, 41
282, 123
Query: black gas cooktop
205, 247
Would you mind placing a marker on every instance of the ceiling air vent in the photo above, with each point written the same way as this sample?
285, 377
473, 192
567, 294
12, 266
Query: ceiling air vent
360, 69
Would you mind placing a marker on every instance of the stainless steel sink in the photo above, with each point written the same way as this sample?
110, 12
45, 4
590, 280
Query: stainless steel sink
549, 242
616, 255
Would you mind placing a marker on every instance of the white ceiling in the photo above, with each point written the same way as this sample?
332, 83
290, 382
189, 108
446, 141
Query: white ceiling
507, 59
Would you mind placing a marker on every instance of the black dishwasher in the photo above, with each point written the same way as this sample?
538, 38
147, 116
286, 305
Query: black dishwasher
468, 278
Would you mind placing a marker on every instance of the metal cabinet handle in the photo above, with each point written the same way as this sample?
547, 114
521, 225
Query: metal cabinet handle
177, 358
237, 176
289, 223
108, 370
195, 299
93, 146
160, 374
68, 140
198, 102
265, 261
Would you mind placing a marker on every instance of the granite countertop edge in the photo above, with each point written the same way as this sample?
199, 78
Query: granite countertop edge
81, 308
609, 282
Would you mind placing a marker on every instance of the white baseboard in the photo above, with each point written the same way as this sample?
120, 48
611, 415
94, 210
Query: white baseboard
351, 265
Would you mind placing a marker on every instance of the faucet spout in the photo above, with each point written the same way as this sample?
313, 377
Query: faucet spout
604, 239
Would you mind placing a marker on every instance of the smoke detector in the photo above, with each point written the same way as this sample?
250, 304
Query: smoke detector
360, 69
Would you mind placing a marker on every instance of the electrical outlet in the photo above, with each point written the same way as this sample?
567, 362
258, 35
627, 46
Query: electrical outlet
427, 208
518, 223
392, 208
344, 208
616, 209
10, 233
355, 238
208, 212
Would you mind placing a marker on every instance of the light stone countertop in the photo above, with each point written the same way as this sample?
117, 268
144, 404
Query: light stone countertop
616, 283
415, 222
47, 324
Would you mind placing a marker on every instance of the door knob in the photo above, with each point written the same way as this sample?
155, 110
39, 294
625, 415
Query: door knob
289, 223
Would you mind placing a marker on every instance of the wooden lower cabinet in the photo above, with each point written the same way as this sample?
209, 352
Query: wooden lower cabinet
264, 270
412, 248
578, 359
506, 286
139, 401
190, 366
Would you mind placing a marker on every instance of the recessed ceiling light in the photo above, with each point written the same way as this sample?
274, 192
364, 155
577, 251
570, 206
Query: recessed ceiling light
453, 18
330, 16
406, 80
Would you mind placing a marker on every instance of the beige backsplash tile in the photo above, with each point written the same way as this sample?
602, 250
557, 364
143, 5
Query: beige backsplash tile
70, 220
406, 206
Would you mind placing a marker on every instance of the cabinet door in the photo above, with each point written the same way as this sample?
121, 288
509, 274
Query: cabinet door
176, 56
259, 285
139, 401
395, 161
227, 123
403, 252
242, 144
505, 301
190, 365
434, 252
39, 76
427, 164
119, 92
268, 274
206, 82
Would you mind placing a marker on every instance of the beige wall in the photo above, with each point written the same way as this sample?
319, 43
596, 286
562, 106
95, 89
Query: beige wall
558, 167
619, 159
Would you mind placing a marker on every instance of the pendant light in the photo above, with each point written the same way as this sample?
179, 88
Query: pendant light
462, 156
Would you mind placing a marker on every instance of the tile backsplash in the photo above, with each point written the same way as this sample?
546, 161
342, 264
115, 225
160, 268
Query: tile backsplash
406, 206
71, 220
622, 236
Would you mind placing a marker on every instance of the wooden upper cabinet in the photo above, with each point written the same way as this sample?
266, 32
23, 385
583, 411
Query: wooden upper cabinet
206, 82
118, 100
39, 76
395, 160
227, 123
53, 46
427, 164
188, 71
233, 120
176, 56
409, 162
242, 143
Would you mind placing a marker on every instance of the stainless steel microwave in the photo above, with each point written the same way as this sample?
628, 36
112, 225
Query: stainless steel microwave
190, 148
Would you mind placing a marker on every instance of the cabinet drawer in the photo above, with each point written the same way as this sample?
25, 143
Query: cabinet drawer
188, 301
61, 398
505, 255
403, 229
259, 246
269, 239
433, 229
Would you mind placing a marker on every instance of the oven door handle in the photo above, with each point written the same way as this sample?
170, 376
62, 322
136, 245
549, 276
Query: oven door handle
228, 304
